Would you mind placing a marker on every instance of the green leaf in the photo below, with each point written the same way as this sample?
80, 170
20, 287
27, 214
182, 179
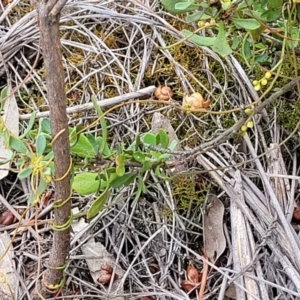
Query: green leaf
29, 126
248, 24
98, 204
275, 4
31, 198
125, 180
139, 156
17, 145
136, 143
103, 124
6, 138
163, 138
156, 155
298, 11
194, 17
92, 140
197, 39
170, 6
83, 148
294, 32
140, 190
183, 6
10, 156
164, 157
73, 136
3, 93
104, 146
147, 165
45, 126
226, 5
149, 138
173, 145
120, 164
159, 174
25, 173
87, 183
246, 51
49, 156
221, 45
40, 145
42, 187
272, 15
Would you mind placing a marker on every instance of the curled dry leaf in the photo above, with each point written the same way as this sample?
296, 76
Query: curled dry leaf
214, 238
45, 198
105, 278
107, 268
187, 285
163, 93
296, 214
153, 268
194, 278
192, 274
7, 218
195, 101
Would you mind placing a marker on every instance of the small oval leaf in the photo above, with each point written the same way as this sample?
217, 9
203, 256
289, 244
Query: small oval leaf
149, 138
83, 147
86, 183
139, 156
17, 145
97, 205
163, 138
126, 179
25, 173
3, 93
40, 145
248, 24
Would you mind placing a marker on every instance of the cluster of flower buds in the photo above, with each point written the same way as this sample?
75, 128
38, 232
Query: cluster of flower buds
262, 82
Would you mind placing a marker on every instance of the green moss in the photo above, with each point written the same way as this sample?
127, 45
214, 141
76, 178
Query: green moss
289, 114
188, 192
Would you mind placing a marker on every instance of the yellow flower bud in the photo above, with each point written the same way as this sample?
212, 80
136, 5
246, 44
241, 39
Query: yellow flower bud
244, 128
200, 24
264, 81
255, 82
268, 75
248, 111
250, 124
257, 87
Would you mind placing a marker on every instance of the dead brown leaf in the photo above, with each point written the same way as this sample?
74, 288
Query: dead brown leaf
214, 239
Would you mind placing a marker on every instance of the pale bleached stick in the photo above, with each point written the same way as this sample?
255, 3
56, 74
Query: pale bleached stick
102, 103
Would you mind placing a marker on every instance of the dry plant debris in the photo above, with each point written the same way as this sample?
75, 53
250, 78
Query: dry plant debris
195, 101
163, 93
110, 51
193, 279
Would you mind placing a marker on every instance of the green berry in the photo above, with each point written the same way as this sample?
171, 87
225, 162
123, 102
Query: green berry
255, 82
